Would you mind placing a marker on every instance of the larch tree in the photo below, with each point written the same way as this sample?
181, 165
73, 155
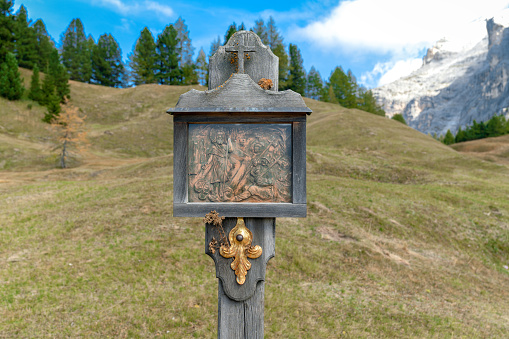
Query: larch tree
11, 83
107, 65
168, 54
260, 30
143, 59
69, 126
297, 73
186, 48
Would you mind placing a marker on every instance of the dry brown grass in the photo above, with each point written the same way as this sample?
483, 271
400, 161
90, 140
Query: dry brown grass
405, 237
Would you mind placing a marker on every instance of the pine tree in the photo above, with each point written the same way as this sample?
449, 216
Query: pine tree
367, 103
297, 74
6, 29
107, 66
314, 85
229, 32
44, 45
280, 52
25, 40
76, 54
168, 54
460, 136
202, 68
344, 89
143, 59
11, 83
58, 77
35, 92
449, 138
399, 117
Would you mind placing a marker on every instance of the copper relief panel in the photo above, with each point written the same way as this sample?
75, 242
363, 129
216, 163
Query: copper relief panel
240, 163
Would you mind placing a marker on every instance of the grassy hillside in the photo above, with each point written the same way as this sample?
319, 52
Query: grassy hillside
405, 237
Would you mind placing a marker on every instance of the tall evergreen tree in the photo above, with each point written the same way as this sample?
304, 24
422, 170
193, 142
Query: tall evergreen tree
6, 29
76, 54
25, 41
35, 92
143, 59
214, 46
59, 77
367, 103
449, 138
297, 74
107, 65
260, 30
11, 83
399, 117
273, 35
168, 54
44, 45
343, 88
280, 52
229, 32
314, 85
202, 68
184, 44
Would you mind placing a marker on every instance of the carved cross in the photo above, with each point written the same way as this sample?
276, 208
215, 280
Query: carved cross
240, 49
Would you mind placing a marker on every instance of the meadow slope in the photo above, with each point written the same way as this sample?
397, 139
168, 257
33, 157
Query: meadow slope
405, 237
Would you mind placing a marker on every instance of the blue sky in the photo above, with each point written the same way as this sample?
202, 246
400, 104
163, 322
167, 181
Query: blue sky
379, 40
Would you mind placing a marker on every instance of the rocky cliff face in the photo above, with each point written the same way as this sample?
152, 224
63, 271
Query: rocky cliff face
451, 89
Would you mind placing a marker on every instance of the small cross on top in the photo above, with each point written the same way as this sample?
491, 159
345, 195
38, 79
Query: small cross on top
240, 49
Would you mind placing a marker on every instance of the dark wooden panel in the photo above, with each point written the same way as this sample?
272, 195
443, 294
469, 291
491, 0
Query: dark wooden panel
263, 230
238, 119
261, 210
179, 162
299, 163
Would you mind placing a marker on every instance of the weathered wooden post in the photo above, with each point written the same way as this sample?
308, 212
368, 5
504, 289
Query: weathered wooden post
240, 151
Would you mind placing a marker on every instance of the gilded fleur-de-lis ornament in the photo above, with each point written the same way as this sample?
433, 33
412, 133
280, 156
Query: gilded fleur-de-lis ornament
240, 240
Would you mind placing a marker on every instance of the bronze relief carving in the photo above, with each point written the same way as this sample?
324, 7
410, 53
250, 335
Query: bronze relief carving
240, 163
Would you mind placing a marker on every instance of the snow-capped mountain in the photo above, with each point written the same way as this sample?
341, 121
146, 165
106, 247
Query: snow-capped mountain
453, 87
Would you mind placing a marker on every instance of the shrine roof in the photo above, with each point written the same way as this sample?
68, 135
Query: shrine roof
240, 94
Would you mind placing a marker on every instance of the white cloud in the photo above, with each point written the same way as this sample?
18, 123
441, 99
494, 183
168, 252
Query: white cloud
387, 72
400, 30
395, 25
135, 8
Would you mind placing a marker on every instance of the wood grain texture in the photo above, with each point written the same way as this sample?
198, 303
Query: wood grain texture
240, 93
299, 163
180, 132
231, 209
262, 63
264, 230
241, 319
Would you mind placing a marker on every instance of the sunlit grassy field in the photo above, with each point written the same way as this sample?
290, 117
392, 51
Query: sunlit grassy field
405, 237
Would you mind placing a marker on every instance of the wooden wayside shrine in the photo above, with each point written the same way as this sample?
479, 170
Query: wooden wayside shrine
240, 162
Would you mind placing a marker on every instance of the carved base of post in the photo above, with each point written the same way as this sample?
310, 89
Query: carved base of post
241, 319
241, 306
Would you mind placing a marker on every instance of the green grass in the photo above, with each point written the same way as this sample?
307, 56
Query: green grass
405, 237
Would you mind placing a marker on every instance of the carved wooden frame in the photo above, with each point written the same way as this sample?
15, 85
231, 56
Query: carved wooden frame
183, 208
